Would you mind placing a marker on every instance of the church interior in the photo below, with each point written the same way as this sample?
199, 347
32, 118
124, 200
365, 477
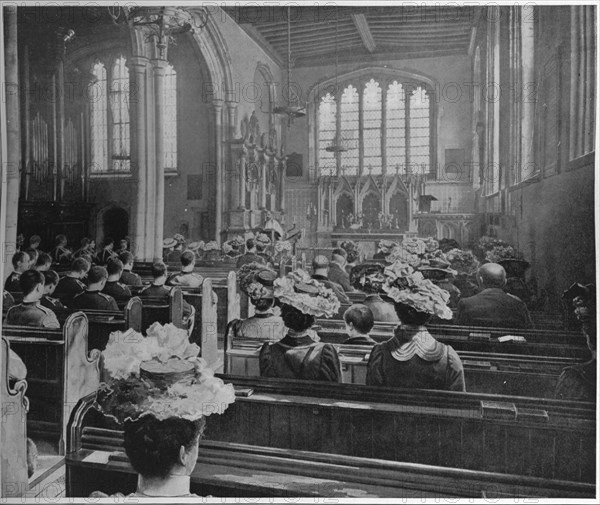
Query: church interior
308, 251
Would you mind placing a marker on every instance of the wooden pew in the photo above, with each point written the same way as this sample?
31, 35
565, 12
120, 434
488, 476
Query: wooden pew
507, 374
60, 370
103, 322
95, 460
156, 310
466, 338
13, 430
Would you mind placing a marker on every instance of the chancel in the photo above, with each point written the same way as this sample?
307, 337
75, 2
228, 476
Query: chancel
349, 250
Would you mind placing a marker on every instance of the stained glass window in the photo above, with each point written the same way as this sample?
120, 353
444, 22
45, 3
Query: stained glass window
405, 132
170, 118
98, 117
119, 106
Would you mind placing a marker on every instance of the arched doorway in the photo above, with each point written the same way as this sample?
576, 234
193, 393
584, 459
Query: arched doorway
399, 211
115, 223
371, 207
344, 207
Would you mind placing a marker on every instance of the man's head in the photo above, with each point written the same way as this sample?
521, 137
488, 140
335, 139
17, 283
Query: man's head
359, 319
32, 285
320, 265
339, 256
43, 263
127, 259
80, 267
33, 256
250, 245
123, 245
114, 268
188, 260
159, 271
61, 240
20, 261
491, 275
109, 243
50, 282
35, 241
97, 277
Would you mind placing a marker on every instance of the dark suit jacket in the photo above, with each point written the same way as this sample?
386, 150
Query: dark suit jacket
493, 307
335, 287
340, 276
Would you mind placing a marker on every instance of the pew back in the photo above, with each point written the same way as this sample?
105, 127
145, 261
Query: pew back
60, 371
13, 430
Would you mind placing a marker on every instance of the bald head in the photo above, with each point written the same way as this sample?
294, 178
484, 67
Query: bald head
491, 275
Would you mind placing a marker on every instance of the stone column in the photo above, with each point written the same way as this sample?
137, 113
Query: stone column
13, 136
219, 169
140, 165
60, 120
282, 175
159, 215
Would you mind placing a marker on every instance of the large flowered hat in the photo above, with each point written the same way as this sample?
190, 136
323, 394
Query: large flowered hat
283, 246
406, 286
464, 262
307, 295
211, 246
256, 280
169, 242
159, 374
263, 238
385, 246
368, 277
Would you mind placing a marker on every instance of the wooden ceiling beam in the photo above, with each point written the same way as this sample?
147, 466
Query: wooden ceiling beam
362, 26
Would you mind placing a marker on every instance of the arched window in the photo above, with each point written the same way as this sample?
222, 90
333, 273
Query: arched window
98, 118
119, 107
384, 121
170, 117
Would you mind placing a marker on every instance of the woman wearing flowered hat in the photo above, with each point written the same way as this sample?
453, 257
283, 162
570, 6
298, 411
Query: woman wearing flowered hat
262, 244
159, 392
384, 248
256, 281
438, 271
369, 279
413, 358
300, 355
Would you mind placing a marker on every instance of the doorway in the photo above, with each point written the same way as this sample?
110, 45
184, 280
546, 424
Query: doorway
115, 223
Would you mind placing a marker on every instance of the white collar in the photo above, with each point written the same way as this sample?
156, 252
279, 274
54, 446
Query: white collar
173, 485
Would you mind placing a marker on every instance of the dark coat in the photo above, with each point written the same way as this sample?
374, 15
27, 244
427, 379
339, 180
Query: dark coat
493, 307
578, 382
118, 291
12, 283
360, 340
68, 288
247, 258
130, 279
51, 303
335, 287
300, 358
419, 362
94, 300
338, 275
32, 314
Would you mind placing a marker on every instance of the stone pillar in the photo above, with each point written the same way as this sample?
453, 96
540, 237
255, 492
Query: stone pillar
13, 136
219, 168
159, 215
528, 80
150, 127
282, 176
140, 165
60, 121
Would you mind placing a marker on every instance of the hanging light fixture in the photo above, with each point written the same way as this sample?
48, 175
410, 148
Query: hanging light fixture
337, 143
291, 110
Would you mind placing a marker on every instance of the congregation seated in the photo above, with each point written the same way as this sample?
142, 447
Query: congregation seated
300, 355
578, 382
30, 312
72, 283
88, 248
250, 256
50, 283
262, 243
158, 290
20, 262
127, 276
107, 252
359, 322
186, 277
412, 358
320, 267
256, 281
33, 254
60, 253
93, 298
113, 287
44, 262
35, 242
492, 306
369, 278
337, 269
173, 248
